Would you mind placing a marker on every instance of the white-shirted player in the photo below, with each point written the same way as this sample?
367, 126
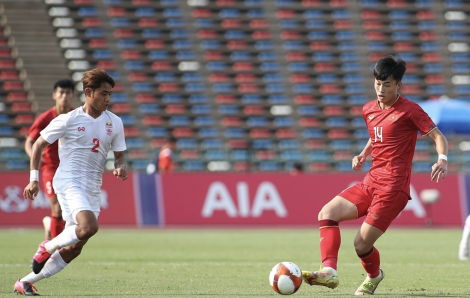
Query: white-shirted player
85, 136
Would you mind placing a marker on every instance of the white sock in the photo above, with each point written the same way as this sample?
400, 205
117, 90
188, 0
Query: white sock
66, 238
466, 232
54, 265
32, 277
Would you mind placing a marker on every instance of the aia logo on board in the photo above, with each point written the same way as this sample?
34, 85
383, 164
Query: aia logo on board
81, 129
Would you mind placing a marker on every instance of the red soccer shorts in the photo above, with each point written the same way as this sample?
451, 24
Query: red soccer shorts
47, 176
380, 207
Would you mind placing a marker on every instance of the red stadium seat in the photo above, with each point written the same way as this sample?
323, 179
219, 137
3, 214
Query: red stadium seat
253, 110
315, 144
116, 12
98, 43
213, 56
333, 111
183, 133
201, 13
260, 23
432, 57
286, 134
189, 154
231, 23
131, 132
145, 98
330, 88
225, 99
309, 122
285, 14
218, 77
123, 33
7, 64
356, 111
295, 56
206, 34
372, 25
304, 99
137, 154
396, 3
131, 55
231, 121
260, 133
154, 44
311, 3
161, 65
236, 45
108, 65
24, 119
17, 96
245, 78
175, 109
5, 53
299, 78
237, 144
265, 155
241, 166
121, 108
13, 86
374, 35
168, 87
342, 155
91, 22
147, 22
152, 120
137, 77
434, 79
9, 75
21, 107
157, 143
338, 134
261, 35
370, 15
343, 25
248, 88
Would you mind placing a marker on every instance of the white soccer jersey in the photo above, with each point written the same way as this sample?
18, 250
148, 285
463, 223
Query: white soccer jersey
84, 143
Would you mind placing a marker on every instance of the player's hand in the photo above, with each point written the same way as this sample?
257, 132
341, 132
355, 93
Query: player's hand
120, 173
439, 170
357, 162
31, 190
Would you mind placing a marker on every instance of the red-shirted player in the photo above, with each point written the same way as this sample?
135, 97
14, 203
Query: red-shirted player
165, 157
63, 95
393, 123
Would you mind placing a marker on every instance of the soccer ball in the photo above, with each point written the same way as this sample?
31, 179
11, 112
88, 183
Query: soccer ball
285, 278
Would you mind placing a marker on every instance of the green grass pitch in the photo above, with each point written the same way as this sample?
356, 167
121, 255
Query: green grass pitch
235, 263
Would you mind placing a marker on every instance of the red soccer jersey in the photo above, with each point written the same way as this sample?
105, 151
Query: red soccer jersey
50, 156
393, 134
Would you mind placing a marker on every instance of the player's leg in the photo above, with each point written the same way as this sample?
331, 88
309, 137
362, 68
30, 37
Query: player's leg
56, 222
86, 226
463, 247
385, 207
337, 210
53, 265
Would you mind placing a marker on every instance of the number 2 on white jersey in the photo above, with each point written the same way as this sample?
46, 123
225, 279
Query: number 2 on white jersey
378, 133
97, 144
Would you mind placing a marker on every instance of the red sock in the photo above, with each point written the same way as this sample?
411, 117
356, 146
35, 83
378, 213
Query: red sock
330, 241
57, 226
371, 262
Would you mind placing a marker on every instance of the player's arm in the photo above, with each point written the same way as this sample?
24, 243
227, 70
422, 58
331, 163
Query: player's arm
32, 189
28, 146
439, 169
120, 165
358, 160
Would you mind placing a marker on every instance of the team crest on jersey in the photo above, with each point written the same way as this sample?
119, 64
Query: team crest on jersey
109, 128
371, 117
392, 117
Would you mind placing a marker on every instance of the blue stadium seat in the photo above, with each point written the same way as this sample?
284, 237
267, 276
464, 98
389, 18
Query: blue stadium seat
269, 166
212, 144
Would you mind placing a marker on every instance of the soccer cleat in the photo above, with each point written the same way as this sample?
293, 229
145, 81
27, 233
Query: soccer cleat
40, 258
322, 277
46, 221
463, 252
25, 288
369, 285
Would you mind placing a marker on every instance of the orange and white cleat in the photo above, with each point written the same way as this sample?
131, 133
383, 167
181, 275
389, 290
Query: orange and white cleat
25, 288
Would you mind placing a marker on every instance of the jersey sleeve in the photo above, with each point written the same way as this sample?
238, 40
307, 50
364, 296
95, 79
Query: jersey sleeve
55, 130
421, 120
35, 129
119, 141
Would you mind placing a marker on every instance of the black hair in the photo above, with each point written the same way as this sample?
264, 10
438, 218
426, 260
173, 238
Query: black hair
64, 84
95, 77
390, 66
